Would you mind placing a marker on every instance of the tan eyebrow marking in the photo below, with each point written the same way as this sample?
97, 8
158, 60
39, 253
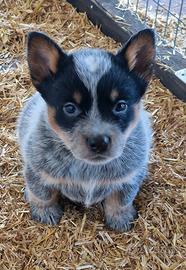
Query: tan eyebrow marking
114, 94
77, 97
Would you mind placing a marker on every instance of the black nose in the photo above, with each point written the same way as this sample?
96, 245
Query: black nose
98, 144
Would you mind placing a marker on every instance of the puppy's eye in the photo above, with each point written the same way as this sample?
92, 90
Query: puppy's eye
71, 109
120, 107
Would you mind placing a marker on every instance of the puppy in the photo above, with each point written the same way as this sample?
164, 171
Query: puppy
85, 135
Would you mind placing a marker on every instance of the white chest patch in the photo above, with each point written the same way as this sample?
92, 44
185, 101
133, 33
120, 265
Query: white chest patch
89, 189
92, 63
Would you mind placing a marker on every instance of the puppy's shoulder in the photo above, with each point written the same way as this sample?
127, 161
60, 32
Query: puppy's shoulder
30, 115
146, 121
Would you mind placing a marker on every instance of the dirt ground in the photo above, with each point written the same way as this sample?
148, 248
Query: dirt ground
81, 241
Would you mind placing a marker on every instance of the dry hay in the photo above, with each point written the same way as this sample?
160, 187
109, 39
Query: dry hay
81, 241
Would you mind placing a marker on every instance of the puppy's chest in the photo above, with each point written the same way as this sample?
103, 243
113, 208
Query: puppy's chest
88, 193
78, 183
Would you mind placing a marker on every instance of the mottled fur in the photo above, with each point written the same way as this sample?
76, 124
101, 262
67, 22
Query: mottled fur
56, 157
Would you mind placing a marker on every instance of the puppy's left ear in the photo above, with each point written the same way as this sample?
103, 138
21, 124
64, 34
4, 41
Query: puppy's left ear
139, 54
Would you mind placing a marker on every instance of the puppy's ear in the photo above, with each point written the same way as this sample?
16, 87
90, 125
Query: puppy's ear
43, 56
139, 53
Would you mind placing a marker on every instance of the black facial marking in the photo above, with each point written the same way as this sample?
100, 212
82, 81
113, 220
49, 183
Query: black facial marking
60, 91
130, 89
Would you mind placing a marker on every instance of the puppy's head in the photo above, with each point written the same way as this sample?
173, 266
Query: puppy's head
93, 97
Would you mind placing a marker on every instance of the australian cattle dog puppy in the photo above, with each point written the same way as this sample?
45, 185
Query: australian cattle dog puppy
84, 134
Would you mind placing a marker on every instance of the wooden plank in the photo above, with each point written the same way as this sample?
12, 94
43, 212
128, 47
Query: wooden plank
171, 81
120, 25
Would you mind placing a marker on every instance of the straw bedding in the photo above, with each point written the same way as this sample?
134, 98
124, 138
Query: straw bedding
81, 240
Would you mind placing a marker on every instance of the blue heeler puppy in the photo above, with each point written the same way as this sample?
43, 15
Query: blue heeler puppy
85, 135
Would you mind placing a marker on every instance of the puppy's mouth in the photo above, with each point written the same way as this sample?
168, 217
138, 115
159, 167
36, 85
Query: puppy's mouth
97, 159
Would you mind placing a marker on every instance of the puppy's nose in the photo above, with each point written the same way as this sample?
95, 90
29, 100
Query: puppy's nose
98, 144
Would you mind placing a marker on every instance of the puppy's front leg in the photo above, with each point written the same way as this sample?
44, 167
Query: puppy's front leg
44, 201
119, 209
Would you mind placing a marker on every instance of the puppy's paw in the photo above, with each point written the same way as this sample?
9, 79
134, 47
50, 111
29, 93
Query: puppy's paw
50, 215
122, 218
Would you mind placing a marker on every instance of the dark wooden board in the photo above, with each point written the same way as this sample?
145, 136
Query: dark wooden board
105, 14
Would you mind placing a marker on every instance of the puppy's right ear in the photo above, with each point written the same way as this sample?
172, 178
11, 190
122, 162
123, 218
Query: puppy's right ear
43, 56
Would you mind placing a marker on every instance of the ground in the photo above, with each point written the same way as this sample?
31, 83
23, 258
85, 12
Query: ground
81, 240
